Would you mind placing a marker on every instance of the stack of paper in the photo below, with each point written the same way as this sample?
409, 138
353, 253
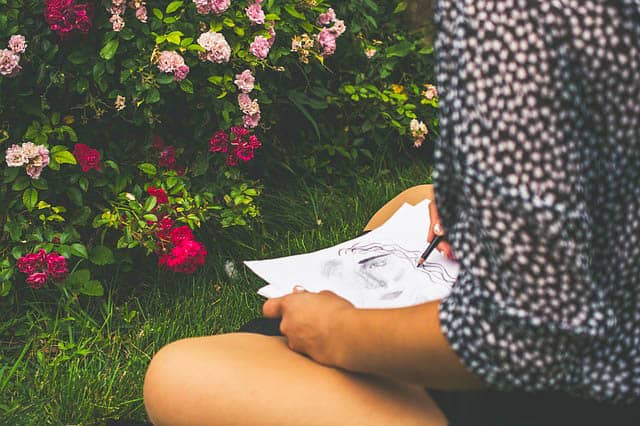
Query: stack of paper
376, 270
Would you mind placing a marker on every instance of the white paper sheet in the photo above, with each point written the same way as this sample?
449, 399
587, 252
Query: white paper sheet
376, 270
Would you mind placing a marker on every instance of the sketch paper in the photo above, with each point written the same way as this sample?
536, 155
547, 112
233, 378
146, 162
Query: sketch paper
376, 270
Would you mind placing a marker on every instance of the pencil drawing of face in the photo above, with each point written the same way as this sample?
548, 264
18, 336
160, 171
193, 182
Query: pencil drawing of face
386, 272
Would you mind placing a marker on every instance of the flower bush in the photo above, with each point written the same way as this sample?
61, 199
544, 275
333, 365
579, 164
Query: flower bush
126, 126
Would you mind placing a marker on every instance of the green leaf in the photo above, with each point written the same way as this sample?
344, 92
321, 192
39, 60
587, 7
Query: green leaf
400, 49
64, 157
84, 183
400, 7
150, 217
79, 250
5, 288
165, 78
77, 57
92, 288
10, 174
157, 13
74, 195
291, 10
109, 50
173, 6
21, 183
101, 255
148, 169
153, 96
30, 198
187, 86
174, 38
150, 204
40, 184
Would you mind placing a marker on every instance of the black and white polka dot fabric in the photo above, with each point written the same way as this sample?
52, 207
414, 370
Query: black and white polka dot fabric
538, 185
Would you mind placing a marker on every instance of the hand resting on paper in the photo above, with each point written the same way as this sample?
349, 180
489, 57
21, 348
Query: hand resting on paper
436, 228
309, 321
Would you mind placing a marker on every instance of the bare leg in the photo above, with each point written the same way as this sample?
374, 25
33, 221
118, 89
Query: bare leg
254, 380
413, 196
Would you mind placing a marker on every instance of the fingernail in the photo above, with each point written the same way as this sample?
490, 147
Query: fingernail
437, 229
298, 289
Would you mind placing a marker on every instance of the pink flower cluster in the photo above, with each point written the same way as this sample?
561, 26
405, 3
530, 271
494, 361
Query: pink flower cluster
328, 35
42, 267
170, 61
255, 13
67, 16
119, 7
418, 131
88, 158
186, 254
211, 6
242, 147
10, 58
34, 157
251, 110
216, 46
430, 92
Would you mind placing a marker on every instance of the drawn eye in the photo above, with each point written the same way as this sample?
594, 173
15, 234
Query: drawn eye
377, 263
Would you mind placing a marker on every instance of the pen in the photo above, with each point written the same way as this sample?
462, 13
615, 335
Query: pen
436, 240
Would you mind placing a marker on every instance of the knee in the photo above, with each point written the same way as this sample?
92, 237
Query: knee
163, 382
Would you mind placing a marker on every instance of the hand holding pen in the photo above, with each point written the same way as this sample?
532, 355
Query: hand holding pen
436, 236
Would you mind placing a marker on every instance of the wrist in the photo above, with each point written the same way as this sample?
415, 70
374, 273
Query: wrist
343, 342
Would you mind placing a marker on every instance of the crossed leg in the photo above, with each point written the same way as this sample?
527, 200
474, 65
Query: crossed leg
252, 379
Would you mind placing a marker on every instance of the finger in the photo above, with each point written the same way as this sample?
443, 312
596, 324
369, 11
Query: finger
435, 225
446, 250
272, 308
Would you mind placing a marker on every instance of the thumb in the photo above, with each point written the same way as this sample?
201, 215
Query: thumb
272, 308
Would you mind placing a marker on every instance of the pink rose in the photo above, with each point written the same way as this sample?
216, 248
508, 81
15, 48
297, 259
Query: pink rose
260, 47
218, 6
245, 81
17, 43
141, 14
251, 121
117, 23
218, 50
255, 13
9, 63
181, 73
326, 18
327, 41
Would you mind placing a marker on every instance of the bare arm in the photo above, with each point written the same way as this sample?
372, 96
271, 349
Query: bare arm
405, 344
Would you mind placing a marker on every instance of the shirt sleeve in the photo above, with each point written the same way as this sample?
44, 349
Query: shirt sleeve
512, 183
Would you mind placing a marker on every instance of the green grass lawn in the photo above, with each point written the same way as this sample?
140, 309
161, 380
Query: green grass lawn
83, 361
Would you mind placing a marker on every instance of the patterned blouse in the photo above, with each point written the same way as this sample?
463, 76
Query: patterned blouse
538, 186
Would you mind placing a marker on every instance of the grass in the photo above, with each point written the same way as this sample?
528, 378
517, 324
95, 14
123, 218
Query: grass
67, 361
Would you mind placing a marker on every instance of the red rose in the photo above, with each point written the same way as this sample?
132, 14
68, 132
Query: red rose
219, 142
244, 151
168, 157
159, 193
37, 280
181, 234
87, 158
56, 266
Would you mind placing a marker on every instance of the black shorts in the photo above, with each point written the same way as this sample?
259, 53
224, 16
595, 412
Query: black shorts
494, 408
